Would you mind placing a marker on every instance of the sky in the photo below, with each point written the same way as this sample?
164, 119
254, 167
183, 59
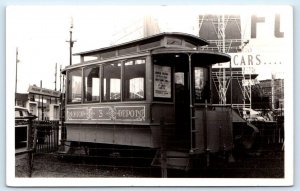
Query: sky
40, 34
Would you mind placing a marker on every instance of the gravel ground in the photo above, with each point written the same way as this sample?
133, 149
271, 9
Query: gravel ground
51, 165
265, 164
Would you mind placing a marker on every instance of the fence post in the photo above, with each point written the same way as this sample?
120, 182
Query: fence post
56, 134
163, 157
205, 137
31, 143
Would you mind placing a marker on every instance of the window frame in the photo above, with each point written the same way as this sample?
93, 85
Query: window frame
123, 79
69, 86
104, 98
84, 86
208, 84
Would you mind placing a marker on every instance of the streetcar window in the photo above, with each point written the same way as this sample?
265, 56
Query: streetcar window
91, 84
89, 58
111, 82
179, 78
174, 41
134, 79
74, 86
201, 85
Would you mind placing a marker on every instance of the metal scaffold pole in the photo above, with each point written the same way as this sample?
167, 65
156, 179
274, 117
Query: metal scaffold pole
225, 76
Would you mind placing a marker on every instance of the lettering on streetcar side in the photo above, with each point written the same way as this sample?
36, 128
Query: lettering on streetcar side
107, 113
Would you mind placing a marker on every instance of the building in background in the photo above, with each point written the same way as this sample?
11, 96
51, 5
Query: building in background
41, 102
21, 99
274, 90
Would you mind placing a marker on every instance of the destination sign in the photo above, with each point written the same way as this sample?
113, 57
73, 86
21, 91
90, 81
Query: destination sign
162, 81
107, 113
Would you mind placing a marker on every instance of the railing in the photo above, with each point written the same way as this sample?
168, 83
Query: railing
47, 136
270, 133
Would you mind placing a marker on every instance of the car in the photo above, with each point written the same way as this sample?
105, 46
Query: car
252, 115
21, 126
21, 112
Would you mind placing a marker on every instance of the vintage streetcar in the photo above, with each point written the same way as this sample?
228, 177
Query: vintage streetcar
152, 93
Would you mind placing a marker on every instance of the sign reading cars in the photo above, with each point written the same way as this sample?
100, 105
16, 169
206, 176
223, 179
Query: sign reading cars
252, 60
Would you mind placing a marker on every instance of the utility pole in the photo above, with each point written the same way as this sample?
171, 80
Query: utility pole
55, 76
71, 41
16, 86
60, 78
63, 128
41, 85
272, 93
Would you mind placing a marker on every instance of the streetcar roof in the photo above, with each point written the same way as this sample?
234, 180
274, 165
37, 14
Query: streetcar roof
207, 58
184, 36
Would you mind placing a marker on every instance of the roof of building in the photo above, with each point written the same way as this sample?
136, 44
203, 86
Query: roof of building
21, 96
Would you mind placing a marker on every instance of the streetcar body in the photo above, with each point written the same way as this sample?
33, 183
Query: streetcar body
153, 92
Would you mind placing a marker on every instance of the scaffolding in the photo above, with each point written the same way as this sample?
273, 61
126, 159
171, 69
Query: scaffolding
221, 77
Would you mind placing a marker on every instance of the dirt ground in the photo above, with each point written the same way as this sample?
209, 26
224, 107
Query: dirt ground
50, 165
266, 164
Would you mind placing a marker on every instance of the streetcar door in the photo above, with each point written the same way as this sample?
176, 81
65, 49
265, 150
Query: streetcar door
182, 102
174, 68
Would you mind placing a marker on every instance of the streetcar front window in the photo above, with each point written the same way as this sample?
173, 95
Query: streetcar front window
201, 85
91, 84
111, 82
74, 86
